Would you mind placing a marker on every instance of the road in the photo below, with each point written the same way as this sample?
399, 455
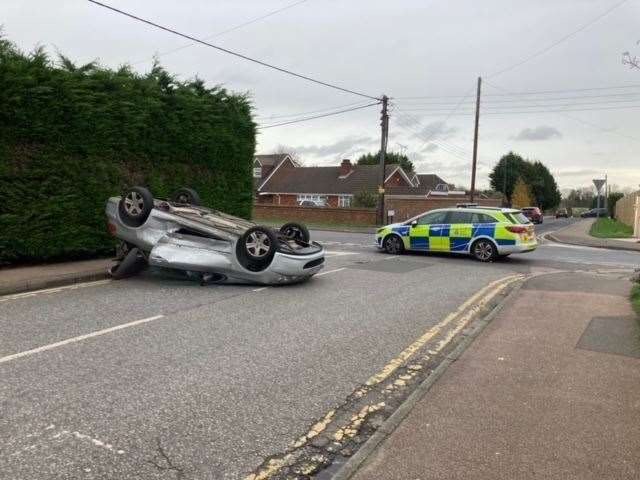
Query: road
207, 382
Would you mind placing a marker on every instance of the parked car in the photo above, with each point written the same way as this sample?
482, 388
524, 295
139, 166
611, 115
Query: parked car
595, 212
485, 233
534, 214
209, 245
311, 203
562, 213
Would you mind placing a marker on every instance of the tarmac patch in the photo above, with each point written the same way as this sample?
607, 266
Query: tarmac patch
616, 335
390, 267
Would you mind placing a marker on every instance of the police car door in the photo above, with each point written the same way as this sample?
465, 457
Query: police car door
438, 231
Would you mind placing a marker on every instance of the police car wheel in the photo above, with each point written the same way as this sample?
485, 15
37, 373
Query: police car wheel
393, 245
484, 251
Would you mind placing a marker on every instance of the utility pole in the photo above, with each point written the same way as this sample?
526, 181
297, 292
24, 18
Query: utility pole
475, 143
384, 137
606, 195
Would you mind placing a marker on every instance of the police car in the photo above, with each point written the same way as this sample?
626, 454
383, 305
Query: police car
485, 233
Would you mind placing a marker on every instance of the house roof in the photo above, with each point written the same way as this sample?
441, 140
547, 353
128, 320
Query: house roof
271, 160
427, 183
327, 180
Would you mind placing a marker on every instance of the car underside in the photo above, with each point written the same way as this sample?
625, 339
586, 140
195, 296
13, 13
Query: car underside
212, 246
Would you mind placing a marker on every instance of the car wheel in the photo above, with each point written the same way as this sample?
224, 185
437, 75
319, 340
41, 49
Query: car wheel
393, 244
133, 263
295, 231
256, 247
484, 250
186, 196
135, 206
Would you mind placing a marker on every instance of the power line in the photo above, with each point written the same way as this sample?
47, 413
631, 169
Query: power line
576, 119
538, 92
493, 101
607, 103
318, 116
559, 41
437, 114
230, 52
224, 32
275, 117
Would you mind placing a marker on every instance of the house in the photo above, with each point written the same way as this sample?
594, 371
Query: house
263, 165
288, 183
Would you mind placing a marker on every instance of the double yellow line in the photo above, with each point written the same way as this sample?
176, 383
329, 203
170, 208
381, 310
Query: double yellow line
457, 320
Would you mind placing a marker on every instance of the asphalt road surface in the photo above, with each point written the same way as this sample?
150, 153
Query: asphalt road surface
206, 382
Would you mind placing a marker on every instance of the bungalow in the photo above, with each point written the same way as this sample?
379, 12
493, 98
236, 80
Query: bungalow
288, 183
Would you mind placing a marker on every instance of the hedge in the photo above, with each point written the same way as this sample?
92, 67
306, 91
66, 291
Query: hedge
70, 137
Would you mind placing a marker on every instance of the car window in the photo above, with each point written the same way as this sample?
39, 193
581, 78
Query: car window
517, 218
433, 218
482, 218
461, 217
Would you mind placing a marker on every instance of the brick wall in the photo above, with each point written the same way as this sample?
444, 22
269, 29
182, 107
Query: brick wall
407, 208
625, 208
318, 215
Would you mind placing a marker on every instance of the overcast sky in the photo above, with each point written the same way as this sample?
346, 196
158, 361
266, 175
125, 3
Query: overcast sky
404, 48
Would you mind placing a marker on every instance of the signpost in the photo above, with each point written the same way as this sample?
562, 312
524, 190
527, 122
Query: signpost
598, 182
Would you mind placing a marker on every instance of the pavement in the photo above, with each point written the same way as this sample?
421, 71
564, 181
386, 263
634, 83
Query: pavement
578, 234
35, 277
157, 377
550, 390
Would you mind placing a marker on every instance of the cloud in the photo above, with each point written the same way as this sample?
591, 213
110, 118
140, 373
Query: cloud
347, 145
542, 132
437, 129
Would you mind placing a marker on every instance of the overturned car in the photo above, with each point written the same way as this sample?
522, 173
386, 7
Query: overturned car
211, 246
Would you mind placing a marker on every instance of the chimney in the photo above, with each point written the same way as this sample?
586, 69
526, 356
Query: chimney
345, 168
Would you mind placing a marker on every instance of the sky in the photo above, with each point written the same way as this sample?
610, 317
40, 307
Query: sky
403, 49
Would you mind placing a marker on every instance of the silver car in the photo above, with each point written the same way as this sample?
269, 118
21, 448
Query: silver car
209, 245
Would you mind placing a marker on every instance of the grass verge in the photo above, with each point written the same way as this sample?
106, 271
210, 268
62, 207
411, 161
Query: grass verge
610, 228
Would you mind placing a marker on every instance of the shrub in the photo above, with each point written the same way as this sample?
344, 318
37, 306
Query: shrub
70, 137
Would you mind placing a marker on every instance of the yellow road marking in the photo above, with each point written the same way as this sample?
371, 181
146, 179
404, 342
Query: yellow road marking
479, 299
463, 315
34, 293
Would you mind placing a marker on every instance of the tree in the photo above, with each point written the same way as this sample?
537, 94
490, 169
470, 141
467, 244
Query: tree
365, 199
391, 158
512, 167
522, 196
506, 173
544, 186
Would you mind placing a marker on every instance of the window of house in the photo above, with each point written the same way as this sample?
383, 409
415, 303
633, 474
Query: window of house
257, 172
319, 200
344, 201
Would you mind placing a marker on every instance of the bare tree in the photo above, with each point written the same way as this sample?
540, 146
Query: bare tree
295, 156
631, 60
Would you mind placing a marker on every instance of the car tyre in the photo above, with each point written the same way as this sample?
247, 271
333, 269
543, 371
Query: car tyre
135, 206
256, 247
393, 244
484, 250
186, 196
132, 264
295, 231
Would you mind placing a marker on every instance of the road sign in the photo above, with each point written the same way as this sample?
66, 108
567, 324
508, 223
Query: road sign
598, 182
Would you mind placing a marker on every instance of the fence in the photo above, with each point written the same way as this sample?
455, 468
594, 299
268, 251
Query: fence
317, 215
405, 208
402, 208
626, 209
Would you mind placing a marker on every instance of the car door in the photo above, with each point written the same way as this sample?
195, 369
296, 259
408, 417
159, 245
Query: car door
429, 232
460, 230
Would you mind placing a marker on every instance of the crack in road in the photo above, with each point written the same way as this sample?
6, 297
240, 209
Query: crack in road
169, 465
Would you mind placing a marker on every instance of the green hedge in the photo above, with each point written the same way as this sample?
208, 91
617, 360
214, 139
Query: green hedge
71, 137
